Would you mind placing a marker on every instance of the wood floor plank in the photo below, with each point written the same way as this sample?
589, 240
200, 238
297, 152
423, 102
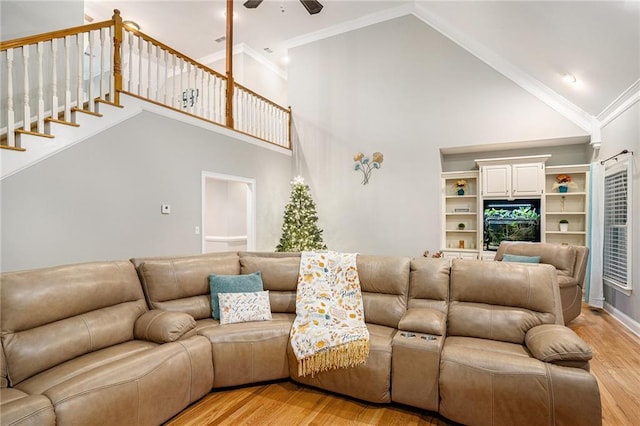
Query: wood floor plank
615, 364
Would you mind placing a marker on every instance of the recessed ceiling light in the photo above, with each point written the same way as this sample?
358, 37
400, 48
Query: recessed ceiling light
268, 50
286, 59
569, 78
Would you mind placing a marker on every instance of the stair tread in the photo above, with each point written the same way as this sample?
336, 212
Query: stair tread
103, 101
29, 132
86, 111
12, 148
66, 123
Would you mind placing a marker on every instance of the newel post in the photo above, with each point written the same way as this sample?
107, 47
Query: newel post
230, 83
117, 59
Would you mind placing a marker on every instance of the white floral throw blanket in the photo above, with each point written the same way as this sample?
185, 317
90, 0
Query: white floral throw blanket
329, 330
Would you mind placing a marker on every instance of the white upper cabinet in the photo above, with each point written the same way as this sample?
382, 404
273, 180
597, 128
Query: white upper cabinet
527, 179
514, 177
496, 180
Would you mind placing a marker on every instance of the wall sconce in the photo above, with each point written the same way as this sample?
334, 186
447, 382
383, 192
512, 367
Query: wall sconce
366, 166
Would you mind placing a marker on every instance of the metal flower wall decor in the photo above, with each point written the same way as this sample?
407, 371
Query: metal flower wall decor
366, 165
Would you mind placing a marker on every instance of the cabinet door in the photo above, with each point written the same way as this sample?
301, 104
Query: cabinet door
528, 179
496, 180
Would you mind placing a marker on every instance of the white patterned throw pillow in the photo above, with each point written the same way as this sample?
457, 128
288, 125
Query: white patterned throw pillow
243, 307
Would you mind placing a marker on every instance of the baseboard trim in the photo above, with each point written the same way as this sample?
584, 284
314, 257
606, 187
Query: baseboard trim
622, 318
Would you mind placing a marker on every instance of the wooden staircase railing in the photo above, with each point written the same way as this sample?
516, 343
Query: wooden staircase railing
77, 69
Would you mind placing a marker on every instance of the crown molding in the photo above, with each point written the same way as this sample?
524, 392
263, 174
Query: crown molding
563, 106
244, 48
623, 102
365, 21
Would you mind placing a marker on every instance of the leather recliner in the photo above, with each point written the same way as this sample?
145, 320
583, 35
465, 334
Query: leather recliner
570, 263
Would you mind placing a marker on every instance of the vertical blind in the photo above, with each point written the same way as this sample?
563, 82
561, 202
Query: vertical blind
616, 254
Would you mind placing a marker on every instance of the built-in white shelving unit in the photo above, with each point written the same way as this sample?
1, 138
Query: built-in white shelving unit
572, 205
460, 209
467, 242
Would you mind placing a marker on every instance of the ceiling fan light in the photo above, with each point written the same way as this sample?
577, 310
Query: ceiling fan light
252, 4
312, 6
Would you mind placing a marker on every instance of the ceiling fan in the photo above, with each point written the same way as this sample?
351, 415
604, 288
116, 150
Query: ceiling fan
312, 6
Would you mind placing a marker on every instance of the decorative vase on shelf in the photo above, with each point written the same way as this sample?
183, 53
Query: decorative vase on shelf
460, 191
564, 225
563, 188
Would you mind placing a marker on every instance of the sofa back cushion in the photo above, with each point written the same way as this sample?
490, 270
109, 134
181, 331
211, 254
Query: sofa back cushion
384, 281
181, 284
52, 315
562, 257
501, 301
279, 276
429, 284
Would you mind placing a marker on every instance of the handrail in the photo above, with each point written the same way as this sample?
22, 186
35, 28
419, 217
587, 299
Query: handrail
262, 98
173, 51
23, 41
150, 70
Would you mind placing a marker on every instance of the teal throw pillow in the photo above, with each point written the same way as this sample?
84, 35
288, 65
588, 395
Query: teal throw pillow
232, 284
522, 259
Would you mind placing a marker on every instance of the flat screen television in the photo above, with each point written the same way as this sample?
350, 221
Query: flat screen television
510, 220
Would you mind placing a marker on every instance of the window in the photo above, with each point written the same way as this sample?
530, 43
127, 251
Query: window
617, 226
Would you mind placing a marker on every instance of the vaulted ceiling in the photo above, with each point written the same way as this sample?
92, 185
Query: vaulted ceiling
534, 43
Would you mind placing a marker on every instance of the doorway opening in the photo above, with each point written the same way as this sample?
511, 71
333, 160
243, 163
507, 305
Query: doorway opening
228, 213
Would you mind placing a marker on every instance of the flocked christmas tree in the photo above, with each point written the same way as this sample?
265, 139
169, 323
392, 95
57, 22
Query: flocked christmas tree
300, 231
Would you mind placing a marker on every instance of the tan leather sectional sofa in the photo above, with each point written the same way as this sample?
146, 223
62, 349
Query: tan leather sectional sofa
134, 342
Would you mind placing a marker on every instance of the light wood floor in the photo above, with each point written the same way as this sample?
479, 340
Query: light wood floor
616, 365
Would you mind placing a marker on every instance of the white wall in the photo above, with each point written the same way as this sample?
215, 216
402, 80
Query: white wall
21, 18
401, 88
256, 76
100, 199
624, 133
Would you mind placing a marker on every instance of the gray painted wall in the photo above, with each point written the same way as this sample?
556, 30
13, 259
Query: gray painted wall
401, 88
100, 199
561, 155
624, 133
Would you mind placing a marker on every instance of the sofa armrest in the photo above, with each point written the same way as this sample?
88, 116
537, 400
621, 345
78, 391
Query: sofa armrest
423, 320
163, 327
557, 344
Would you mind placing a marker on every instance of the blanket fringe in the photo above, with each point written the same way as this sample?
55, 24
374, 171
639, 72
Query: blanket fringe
349, 354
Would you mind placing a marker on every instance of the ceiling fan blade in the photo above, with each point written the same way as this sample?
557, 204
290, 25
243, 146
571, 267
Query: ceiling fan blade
252, 4
312, 6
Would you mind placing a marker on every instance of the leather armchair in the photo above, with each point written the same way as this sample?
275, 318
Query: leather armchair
570, 263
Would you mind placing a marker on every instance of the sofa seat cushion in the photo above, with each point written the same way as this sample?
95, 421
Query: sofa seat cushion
39, 383
146, 387
210, 322
488, 382
369, 382
249, 352
19, 408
